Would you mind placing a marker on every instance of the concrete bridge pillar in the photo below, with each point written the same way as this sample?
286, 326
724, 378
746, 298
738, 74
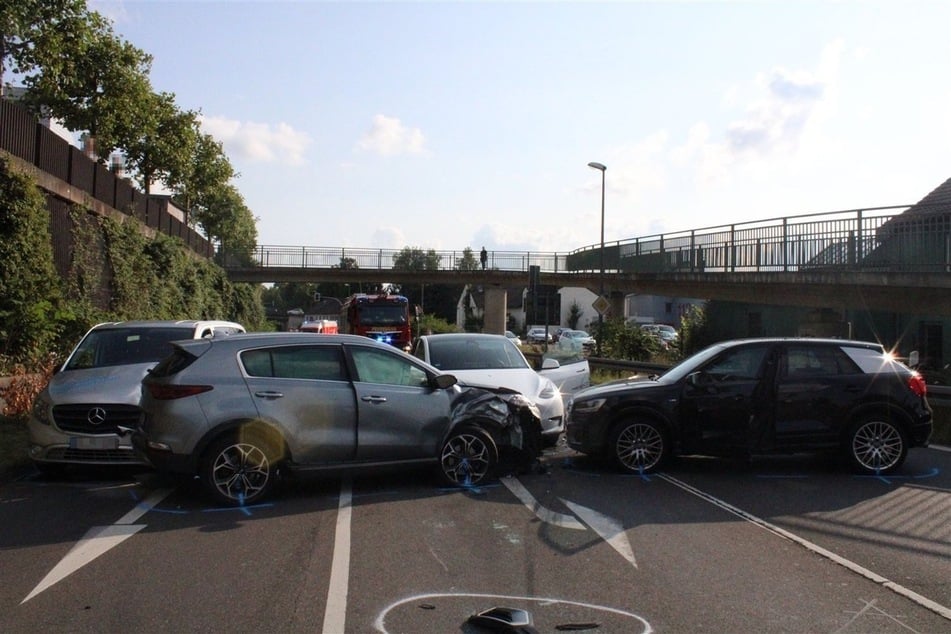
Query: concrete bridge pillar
617, 305
494, 319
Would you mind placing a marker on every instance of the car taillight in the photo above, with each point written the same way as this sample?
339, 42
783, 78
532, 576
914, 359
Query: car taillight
916, 383
171, 392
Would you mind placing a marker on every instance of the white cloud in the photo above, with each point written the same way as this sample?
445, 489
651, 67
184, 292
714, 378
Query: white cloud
258, 142
388, 238
389, 137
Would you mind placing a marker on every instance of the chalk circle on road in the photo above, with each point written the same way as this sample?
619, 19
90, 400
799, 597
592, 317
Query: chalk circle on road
449, 613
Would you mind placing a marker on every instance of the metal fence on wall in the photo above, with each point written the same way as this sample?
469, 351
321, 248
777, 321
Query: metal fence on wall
24, 137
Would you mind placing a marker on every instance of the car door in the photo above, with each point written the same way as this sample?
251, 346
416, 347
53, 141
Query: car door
815, 386
725, 404
401, 415
306, 391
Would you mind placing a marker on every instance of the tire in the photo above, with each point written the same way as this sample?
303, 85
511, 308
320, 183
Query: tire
239, 469
876, 445
469, 457
638, 446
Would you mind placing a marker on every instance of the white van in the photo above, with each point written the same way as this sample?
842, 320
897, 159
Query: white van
76, 418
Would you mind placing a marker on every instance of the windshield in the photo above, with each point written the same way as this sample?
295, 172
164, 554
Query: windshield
382, 315
450, 353
124, 346
690, 364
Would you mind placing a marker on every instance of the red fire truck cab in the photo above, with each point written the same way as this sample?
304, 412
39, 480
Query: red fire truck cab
382, 317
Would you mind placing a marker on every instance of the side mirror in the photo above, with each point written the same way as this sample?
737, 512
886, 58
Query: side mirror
550, 364
913, 359
443, 381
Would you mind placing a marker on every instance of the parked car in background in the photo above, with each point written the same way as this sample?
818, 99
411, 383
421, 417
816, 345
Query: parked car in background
537, 334
577, 338
490, 360
241, 411
76, 418
760, 396
664, 333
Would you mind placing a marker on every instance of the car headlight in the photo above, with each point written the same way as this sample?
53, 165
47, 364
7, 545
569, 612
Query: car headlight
41, 410
586, 407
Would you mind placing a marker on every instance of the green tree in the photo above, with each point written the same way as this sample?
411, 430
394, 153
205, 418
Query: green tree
469, 262
415, 259
86, 76
226, 220
695, 330
162, 146
621, 340
28, 25
207, 171
574, 315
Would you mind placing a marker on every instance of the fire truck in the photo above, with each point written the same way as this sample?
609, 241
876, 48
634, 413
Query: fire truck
381, 317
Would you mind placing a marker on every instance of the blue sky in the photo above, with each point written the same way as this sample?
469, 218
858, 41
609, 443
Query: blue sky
448, 124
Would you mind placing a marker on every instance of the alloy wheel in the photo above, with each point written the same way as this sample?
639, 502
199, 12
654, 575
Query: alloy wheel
877, 446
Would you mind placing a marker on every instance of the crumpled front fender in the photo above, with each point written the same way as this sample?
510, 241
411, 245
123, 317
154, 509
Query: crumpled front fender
513, 420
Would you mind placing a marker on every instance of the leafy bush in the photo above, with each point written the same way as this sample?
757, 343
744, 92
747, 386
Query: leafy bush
30, 290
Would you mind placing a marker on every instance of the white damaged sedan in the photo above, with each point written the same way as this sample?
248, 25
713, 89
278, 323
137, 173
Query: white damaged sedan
485, 360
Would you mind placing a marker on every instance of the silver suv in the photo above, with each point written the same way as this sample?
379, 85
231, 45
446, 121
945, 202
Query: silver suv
77, 417
240, 411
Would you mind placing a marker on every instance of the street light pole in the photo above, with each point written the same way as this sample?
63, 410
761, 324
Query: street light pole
602, 168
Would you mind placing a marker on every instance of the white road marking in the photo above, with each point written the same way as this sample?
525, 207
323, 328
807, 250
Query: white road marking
97, 541
607, 527
645, 628
934, 606
542, 513
335, 615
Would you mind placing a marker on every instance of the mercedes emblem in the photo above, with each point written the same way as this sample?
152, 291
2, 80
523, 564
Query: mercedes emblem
96, 416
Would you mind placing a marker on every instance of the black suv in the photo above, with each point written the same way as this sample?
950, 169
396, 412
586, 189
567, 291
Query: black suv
760, 396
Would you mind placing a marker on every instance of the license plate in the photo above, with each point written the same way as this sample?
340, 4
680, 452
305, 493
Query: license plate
99, 442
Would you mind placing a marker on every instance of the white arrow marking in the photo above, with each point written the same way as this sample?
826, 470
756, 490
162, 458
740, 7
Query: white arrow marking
546, 515
608, 528
97, 541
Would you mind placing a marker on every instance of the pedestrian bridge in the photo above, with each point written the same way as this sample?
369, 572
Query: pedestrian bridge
895, 259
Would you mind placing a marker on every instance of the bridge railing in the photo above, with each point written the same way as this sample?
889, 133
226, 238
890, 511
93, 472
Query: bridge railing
862, 239
385, 259
882, 238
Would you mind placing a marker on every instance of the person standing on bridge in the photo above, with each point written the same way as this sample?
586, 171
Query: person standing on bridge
483, 257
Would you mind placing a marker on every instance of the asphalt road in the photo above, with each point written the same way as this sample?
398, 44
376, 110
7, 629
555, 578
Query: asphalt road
780, 545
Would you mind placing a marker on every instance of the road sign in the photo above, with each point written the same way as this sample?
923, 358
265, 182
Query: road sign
602, 305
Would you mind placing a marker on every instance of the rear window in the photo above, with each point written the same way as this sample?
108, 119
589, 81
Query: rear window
125, 346
873, 361
173, 364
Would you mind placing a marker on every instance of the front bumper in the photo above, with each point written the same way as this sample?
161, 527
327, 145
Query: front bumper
48, 444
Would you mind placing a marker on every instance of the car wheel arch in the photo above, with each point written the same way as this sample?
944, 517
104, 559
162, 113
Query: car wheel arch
627, 413
487, 425
262, 429
886, 411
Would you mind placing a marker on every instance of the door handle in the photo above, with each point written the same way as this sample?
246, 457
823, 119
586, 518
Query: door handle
267, 394
373, 399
